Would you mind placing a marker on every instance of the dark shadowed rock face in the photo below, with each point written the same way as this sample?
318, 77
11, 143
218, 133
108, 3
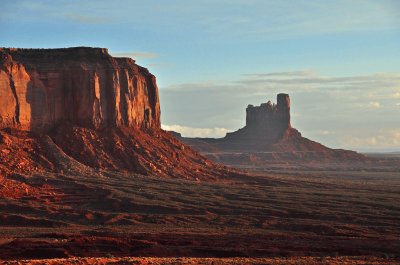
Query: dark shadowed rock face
266, 125
268, 122
43, 88
269, 114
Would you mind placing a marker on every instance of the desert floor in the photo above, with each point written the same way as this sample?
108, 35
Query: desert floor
293, 217
211, 261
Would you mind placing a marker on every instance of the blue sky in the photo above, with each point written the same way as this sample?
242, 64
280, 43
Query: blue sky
339, 60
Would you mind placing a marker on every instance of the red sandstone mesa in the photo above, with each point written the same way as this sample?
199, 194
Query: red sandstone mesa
84, 106
43, 88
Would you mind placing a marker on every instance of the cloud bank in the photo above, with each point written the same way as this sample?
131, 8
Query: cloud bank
196, 132
135, 55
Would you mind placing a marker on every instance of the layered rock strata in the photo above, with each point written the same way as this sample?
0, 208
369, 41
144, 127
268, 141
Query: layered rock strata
43, 88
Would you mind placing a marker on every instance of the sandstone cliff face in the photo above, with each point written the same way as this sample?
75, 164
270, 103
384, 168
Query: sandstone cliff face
87, 109
43, 88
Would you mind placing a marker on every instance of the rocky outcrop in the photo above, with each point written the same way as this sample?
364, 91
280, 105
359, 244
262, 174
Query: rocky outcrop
266, 123
68, 109
269, 115
43, 88
267, 136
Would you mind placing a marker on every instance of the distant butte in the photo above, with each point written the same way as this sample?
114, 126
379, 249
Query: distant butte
266, 125
267, 135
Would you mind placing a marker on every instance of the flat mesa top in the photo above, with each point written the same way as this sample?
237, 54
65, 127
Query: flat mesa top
64, 53
56, 50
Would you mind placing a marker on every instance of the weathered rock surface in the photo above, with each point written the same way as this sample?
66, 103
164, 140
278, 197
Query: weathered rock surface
43, 88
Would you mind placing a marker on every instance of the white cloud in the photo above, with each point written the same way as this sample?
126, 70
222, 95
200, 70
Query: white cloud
362, 89
196, 132
86, 19
135, 55
375, 104
396, 95
302, 19
384, 139
220, 19
314, 79
289, 74
325, 132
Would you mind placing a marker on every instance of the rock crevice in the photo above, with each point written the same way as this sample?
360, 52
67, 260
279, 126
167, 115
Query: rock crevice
14, 92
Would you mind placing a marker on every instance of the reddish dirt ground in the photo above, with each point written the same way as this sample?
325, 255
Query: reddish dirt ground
95, 213
211, 261
53, 206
